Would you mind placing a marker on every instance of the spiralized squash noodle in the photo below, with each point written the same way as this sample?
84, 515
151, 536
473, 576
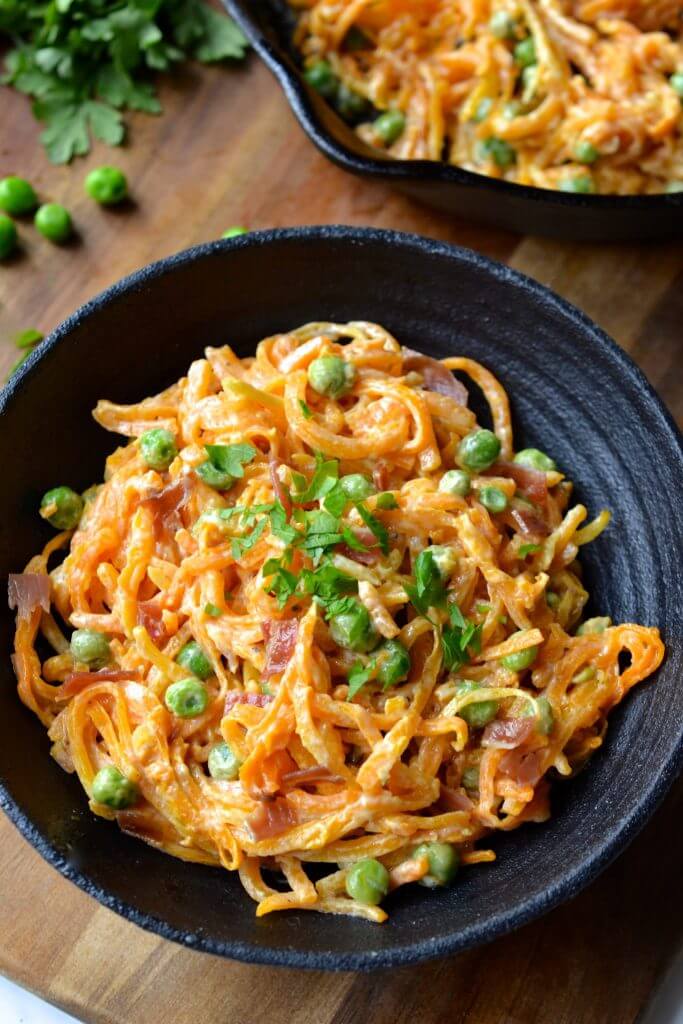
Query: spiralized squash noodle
590, 106
327, 777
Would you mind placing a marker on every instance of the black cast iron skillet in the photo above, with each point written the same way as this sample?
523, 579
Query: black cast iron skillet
574, 393
529, 211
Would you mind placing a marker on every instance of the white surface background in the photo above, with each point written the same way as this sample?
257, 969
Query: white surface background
20, 1007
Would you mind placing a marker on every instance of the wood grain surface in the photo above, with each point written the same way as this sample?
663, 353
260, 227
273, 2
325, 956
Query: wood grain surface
228, 151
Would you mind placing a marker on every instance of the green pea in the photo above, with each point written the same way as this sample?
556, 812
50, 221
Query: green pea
455, 481
552, 599
67, 507
389, 126
187, 698
350, 104
331, 375
367, 881
502, 25
546, 718
223, 762
478, 713
676, 83
394, 663
17, 196
470, 778
357, 487
354, 629
533, 458
520, 660
386, 500
90, 647
444, 558
214, 477
585, 152
596, 625
483, 109
53, 221
479, 450
106, 185
322, 78
444, 861
525, 52
158, 448
235, 232
493, 499
674, 186
580, 185
8, 236
501, 152
111, 788
193, 658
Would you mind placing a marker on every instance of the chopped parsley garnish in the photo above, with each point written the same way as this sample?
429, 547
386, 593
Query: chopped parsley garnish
351, 540
213, 610
359, 675
327, 584
281, 582
322, 482
386, 500
306, 412
241, 544
336, 501
230, 458
458, 638
372, 522
528, 549
429, 590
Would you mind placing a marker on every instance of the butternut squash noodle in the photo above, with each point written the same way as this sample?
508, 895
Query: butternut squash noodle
578, 95
382, 603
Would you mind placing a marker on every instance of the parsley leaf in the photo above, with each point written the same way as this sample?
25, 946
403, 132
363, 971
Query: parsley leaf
212, 610
306, 412
359, 675
241, 544
279, 526
335, 501
229, 458
429, 590
322, 482
379, 529
528, 549
457, 638
322, 532
351, 540
281, 583
386, 500
327, 584
85, 62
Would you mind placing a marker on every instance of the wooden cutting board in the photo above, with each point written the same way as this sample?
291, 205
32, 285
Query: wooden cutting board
227, 151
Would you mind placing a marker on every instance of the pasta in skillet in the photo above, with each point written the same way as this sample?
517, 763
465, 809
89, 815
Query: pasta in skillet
321, 619
578, 95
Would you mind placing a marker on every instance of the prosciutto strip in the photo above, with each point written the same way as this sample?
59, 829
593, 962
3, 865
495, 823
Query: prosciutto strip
454, 800
149, 616
76, 682
167, 503
524, 769
531, 482
271, 818
435, 375
280, 636
529, 522
308, 776
507, 733
27, 591
257, 700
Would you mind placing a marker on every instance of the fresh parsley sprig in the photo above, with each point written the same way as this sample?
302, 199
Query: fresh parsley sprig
86, 62
458, 639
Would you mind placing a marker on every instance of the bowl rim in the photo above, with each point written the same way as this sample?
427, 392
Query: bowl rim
493, 926
396, 172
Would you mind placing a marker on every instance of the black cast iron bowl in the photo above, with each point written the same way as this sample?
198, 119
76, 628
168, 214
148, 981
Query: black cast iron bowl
530, 211
574, 393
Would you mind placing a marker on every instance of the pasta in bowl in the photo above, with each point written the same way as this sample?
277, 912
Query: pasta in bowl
327, 629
